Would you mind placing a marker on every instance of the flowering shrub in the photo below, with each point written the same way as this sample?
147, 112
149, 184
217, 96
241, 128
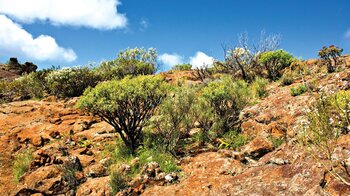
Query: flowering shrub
70, 82
136, 61
27, 86
328, 119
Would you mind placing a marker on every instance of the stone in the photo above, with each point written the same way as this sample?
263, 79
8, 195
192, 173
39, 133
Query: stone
95, 186
97, 170
135, 162
258, 147
168, 178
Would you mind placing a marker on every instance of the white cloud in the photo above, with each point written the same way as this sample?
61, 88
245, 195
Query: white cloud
15, 40
144, 24
170, 60
347, 34
98, 14
201, 59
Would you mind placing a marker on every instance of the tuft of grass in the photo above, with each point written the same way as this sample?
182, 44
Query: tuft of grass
233, 140
118, 181
166, 161
21, 164
298, 90
276, 141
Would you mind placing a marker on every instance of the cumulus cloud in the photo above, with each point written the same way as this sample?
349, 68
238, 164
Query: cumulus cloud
98, 14
170, 60
201, 59
15, 40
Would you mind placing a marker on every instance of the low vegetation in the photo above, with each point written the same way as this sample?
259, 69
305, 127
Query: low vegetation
298, 90
182, 67
328, 120
157, 121
21, 164
70, 82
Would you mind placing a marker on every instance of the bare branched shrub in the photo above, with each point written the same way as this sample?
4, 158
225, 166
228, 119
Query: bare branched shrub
244, 58
202, 73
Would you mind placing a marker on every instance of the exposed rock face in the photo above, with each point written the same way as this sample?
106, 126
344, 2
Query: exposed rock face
95, 186
14, 69
64, 157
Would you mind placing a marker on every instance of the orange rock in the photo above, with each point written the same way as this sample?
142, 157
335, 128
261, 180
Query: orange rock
258, 147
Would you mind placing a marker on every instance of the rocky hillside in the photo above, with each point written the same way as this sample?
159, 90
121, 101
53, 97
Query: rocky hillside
13, 69
7, 75
62, 139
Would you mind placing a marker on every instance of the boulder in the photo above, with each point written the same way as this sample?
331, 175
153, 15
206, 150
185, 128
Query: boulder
258, 147
95, 186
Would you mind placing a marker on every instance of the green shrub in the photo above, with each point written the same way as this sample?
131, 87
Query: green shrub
70, 82
126, 104
233, 140
173, 119
275, 61
331, 55
21, 164
298, 90
27, 86
136, 61
182, 67
4, 86
259, 87
221, 102
328, 119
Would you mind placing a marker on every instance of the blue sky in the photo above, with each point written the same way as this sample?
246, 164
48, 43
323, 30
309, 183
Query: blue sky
182, 31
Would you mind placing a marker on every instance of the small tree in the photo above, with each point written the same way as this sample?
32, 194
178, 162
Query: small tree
330, 55
126, 104
275, 61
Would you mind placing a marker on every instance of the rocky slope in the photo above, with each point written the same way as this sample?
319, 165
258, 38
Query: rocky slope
287, 170
64, 139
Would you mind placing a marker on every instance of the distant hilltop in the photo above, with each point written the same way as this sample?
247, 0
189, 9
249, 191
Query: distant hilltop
13, 69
